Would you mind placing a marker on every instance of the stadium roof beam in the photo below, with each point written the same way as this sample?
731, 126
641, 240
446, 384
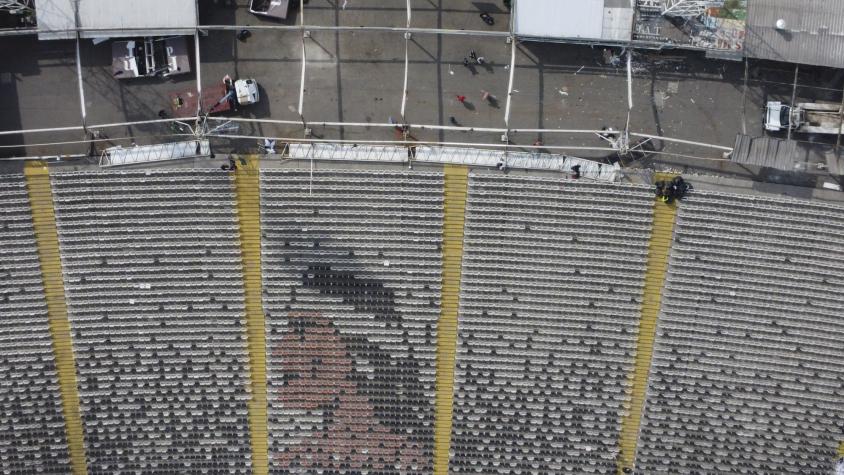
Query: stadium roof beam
383, 125
140, 31
383, 29
415, 126
473, 129
94, 126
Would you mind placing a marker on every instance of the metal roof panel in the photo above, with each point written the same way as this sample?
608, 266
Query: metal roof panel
813, 33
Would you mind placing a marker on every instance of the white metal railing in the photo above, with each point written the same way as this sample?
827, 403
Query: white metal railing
118, 156
343, 152
455, 155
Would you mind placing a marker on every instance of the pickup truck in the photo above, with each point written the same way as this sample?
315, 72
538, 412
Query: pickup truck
806, 117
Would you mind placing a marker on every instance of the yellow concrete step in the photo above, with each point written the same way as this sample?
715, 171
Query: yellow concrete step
454, 199
247, 191
637, 382
47, 241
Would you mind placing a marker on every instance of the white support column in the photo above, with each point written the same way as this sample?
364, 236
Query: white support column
198, 74
82, 108
304, 62
406, 67
406, 64
513, 43
626, 137
629, 79
302, 79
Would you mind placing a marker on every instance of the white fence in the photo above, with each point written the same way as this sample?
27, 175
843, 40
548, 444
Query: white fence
118, 156
460, 156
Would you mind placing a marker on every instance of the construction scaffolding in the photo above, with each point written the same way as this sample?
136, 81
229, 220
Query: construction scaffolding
17, 7
688, 8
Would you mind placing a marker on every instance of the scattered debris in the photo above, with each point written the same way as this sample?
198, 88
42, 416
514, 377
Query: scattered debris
611, 59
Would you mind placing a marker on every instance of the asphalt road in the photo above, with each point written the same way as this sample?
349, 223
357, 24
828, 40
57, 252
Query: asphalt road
359, 77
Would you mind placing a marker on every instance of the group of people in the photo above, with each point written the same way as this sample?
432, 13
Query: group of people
675, 189
480, 60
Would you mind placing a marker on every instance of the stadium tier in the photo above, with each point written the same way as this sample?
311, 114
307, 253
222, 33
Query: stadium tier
550, 298
749, 357
599, 330
155, 299
352, 273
